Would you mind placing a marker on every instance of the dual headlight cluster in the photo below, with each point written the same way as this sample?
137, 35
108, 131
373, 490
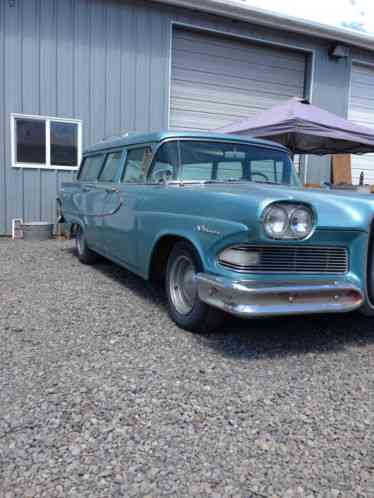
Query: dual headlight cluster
281, 220
288, 221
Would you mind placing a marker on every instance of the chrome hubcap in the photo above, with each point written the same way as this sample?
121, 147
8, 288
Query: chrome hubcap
182, 284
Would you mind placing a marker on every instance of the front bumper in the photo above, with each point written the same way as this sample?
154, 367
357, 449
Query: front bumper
249, 298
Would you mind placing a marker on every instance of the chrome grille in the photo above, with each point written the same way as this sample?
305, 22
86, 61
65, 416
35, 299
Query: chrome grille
295, 259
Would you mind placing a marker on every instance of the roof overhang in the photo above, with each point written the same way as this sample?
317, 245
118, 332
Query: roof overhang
241, 11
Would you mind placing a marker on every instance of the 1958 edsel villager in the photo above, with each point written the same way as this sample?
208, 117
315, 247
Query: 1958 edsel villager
224, 222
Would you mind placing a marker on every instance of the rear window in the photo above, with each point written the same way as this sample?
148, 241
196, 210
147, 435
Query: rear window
90, 168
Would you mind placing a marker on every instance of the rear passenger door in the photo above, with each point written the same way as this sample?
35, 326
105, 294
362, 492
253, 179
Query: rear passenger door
87, 200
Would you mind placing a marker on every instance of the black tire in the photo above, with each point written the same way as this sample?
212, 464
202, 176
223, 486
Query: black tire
367, 307
189, 314
84, 253
366, 310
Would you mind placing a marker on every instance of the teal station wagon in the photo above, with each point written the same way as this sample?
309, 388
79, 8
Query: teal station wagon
225, 224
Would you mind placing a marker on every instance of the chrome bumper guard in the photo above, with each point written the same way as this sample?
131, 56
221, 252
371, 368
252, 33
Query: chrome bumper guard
248, 298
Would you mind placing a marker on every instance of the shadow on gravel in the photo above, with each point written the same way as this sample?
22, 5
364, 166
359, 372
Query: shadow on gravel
277, 337
143, 289
262, 338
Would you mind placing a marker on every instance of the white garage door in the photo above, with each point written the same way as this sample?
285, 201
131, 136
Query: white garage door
361, 110
216, 79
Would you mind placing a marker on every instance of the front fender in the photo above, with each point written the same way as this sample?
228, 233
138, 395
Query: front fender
207, 235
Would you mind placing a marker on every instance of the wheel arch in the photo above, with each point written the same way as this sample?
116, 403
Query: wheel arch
74, 224
161, 251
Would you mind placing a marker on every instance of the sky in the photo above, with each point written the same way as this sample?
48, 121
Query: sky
333, 12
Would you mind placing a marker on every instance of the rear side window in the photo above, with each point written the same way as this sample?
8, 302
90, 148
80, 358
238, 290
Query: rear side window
137, 164
112, 166
91, 168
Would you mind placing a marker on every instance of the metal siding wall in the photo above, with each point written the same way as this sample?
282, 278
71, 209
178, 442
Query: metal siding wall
331, 90
102, 61
48, 96
107, 63
30, 85
113, 71
2, 123
128, 62
98, 71
13, 71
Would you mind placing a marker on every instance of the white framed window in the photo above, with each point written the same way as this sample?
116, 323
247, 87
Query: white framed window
45, 142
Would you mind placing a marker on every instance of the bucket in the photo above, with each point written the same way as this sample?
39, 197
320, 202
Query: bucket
37, 230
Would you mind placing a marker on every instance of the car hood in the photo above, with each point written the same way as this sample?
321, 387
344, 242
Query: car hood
336, 209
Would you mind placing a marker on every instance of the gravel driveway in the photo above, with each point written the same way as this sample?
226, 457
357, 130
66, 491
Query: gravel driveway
102, 396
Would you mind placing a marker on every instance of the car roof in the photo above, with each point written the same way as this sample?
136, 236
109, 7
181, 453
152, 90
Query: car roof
130, 139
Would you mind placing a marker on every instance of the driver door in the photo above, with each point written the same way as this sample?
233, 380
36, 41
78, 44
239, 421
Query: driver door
122, 205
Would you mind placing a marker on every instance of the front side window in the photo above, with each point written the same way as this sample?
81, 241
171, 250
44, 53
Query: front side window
91, 168
112, 167
223, 162
39, 142
137, 164
165, 163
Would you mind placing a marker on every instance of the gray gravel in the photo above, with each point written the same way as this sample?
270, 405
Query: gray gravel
102, 396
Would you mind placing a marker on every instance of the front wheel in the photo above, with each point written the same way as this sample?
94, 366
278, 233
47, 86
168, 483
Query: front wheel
184, 305
84, 253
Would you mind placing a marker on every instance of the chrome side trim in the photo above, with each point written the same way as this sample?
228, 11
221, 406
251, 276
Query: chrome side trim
250, 298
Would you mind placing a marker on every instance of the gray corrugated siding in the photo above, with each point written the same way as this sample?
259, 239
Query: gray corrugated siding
361, 110
107, 62
78, 59
216, 80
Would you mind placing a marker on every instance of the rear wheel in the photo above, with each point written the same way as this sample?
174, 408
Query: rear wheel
184, 305
84, 253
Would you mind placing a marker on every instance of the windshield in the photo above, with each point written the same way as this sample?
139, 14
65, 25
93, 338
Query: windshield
235, 162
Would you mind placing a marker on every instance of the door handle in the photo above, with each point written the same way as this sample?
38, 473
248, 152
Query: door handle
112, 190
86, 188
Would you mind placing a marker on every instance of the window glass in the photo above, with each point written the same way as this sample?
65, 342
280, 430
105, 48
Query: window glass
39, 141
197, 160
30, 136
268, 170
229, 170
64, 144
197, 171
112, 167
165, 164
91, 168
137, 164
224, 161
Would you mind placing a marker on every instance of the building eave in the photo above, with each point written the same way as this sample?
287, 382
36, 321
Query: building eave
244, 12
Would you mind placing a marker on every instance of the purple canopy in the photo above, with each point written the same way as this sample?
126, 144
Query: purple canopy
305, 129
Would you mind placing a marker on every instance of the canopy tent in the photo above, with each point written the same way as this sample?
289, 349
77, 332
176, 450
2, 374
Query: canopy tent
305, 129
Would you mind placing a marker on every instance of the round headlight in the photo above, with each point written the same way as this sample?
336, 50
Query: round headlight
301, 222
276, 221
